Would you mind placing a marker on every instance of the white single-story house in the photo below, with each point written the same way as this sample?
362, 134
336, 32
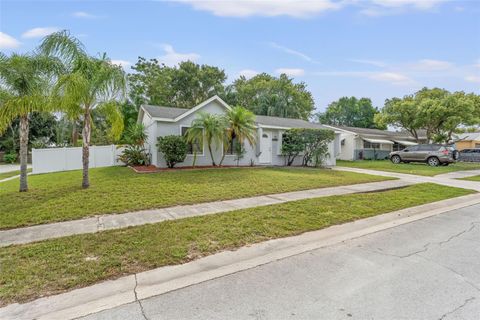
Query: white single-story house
163, 121
363, 143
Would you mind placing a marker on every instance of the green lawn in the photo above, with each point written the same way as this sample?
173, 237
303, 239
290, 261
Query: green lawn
411, 168
474, 178
11, 174
49, 267
58, 196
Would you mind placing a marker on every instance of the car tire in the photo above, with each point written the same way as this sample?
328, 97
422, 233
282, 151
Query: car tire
396, 159
433, 162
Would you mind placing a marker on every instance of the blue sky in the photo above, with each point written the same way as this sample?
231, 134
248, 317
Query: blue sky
365, 48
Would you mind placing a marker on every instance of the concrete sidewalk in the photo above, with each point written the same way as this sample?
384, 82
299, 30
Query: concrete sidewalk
449, 179
134, 288
117, 221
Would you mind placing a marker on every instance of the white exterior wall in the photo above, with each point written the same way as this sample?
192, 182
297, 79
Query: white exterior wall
65, 159
347, 151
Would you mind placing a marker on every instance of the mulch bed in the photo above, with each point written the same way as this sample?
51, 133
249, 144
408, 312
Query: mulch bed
153, 169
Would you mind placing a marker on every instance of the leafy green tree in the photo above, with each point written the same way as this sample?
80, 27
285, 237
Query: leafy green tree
292, 145
89, 84
240, 126
174, 149
437, 111
182, 86
210, 126
271, 96
350, 112
26, 82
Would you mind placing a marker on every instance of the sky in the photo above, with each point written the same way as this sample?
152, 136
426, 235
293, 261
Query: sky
365, 48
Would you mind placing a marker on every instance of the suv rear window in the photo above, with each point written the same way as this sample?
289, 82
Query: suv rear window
429, 147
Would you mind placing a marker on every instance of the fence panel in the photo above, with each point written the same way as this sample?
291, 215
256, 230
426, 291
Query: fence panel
64, 159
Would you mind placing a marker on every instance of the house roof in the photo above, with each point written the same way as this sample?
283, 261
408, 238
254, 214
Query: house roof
164, 112
169, 114
286, 123
366, 132
469, 136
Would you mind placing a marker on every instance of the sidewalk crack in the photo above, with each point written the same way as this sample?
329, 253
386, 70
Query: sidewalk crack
137, 300
467, 301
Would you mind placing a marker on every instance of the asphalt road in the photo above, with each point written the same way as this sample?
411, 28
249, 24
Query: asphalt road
428, 269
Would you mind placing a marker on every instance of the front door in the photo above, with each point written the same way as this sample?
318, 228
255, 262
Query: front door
265, 148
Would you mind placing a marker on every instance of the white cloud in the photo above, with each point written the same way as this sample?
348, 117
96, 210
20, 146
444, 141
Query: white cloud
171, 58
431, 65
8, 42
392, 78
248, 73
418, 4
39, 32
84, 15
267, 8
475, 79
292, 72
293, 52
122, 63
376, 63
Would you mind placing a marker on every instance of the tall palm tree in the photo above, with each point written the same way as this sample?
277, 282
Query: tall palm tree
210, 126
90, 83
25, 82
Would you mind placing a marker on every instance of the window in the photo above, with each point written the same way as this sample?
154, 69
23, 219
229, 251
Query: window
231, 147
398, 147
369, 145
410, 149
195, 146
477, 145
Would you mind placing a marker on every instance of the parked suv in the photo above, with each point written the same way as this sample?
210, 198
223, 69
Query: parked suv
432, 154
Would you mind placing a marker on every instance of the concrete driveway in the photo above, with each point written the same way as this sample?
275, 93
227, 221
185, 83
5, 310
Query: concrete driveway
427, 269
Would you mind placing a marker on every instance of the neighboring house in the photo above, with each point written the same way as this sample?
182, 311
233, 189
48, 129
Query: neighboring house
363, 143
467, 140
163, 121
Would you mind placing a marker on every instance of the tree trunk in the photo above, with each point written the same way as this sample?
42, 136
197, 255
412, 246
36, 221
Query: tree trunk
211, 154
23, 153
87, 126
74, 134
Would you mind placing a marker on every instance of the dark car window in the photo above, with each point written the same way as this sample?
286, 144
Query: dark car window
412, 148
428, 147
466, 151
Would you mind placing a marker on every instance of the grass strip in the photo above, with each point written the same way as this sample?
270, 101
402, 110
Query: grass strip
59, 197
421, 169
53, 266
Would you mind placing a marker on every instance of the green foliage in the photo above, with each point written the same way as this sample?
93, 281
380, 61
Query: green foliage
135, 155
10, 157
174, 149
350, 112
312, 143
239, 150
438, 111
136, 134
182, 86
271, 96
210, 126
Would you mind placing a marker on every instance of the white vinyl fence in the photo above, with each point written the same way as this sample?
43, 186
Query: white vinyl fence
64, 159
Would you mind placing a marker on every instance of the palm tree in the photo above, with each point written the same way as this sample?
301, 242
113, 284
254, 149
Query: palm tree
90, 84
25, 82
210, 126
241, 126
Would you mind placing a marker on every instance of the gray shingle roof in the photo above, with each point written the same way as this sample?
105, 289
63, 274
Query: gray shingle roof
469, 136
172, 113
287, 122
383, 133
164, 112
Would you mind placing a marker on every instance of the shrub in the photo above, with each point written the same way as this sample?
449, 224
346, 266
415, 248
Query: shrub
135, 156
174, 149
313, 143
10, 157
